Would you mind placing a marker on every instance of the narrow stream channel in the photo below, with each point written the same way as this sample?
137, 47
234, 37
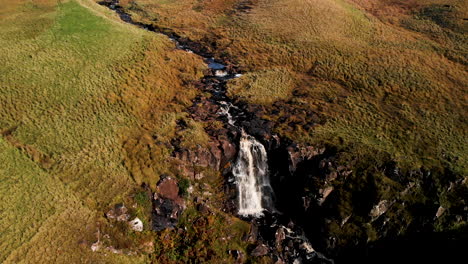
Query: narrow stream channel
250, 170
251, 167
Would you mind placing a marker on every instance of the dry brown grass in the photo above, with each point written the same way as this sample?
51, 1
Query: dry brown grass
396, 87
264, 87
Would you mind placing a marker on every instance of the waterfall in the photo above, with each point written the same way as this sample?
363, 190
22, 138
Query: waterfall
251, 174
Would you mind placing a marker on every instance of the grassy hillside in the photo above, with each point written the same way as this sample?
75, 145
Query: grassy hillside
89, 106
387, 76
79, 91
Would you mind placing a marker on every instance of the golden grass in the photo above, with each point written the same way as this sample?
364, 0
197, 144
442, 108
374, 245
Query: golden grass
263, 87
42, 221
76, 85
387, 75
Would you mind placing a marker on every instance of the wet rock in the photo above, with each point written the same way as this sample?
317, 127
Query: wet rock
229, 150
379, 209
260, 129
324, 193
136, 224
253, 234
345, 220
238, 256
307, 247
279, 261
260, 250
306, 201
299, 153
440, 211
280, 235
220, 73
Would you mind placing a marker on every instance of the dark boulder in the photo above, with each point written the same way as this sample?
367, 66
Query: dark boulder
167, 205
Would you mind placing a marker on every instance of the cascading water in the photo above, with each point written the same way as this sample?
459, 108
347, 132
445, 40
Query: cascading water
251, 167
251, 173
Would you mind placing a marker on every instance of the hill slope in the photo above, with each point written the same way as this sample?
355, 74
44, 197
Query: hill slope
75, 83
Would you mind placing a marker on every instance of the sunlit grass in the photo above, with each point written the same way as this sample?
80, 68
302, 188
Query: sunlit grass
395, 70
75, 85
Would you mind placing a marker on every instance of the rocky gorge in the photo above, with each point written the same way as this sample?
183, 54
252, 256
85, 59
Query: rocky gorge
327, 205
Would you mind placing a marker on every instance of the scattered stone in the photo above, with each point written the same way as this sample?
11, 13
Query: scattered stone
307, 247
119, 213
379, 209
136, 224
221, 73
123, 217
280, 235
345, 220
96, 246
190, 189
440, 211
199, 175
167, 205
324, 194
203, 208
260, 250
113, 250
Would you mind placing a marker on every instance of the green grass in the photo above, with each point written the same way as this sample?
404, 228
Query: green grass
89, 105
42, 220
75, 85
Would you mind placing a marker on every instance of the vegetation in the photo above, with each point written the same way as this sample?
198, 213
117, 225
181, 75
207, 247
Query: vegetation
80, 94
381, 82
89, 106
265, 87
385, 75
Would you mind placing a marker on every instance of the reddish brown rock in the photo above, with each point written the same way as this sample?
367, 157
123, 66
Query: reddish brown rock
260, 250
168, 188
301, 153
167, 204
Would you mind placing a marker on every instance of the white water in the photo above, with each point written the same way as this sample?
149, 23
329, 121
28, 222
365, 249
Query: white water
225, 110
251, 173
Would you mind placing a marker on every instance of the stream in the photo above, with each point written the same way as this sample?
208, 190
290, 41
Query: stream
255, 196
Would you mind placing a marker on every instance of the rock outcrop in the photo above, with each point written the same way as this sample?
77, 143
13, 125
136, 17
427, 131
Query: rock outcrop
167, 204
